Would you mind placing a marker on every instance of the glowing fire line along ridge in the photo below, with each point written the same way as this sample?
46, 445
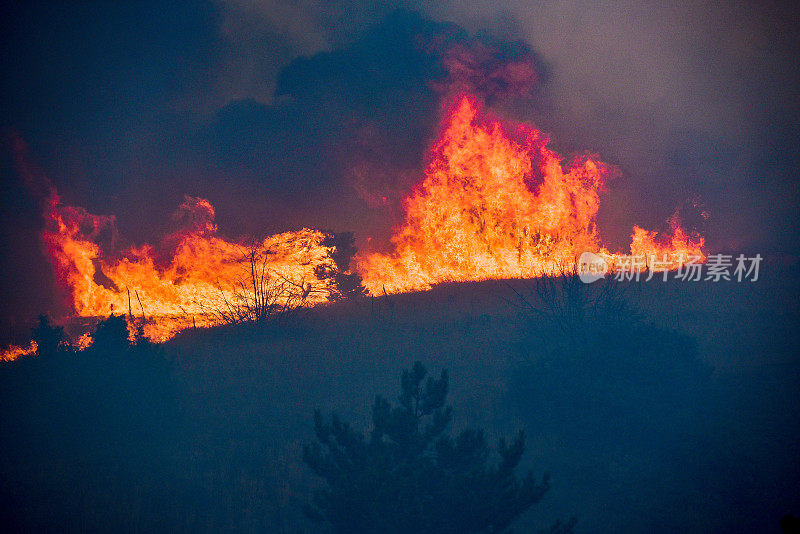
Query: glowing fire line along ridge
495, 202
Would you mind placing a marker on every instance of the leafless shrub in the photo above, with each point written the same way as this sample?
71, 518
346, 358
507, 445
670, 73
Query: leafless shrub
563, 301
260, 294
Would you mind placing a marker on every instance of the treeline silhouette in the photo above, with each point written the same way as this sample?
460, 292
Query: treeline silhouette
88, 436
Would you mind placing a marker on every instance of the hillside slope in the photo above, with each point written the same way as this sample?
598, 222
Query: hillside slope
643, 428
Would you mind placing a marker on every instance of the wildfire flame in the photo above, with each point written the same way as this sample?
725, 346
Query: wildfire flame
203, 275
498, 204
673, 248
495, 202
16, 351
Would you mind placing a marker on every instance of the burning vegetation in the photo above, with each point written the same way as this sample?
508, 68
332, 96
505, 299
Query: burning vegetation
495, 202
195, 278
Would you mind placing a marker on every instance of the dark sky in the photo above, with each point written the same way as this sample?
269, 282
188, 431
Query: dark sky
308, 114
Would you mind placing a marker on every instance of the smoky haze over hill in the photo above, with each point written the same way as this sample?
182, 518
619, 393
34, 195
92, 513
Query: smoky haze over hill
324, 121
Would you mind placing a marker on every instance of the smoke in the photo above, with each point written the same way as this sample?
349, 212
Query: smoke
487, 72
344, 138
27, 285
319, 114
688, 98
196, 216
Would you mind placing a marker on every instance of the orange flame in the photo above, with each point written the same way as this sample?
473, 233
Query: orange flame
495, 205
14, 352
671, 249
495, 202
203, 273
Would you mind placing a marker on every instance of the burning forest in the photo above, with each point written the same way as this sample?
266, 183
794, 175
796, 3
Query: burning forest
495, 203
231, 229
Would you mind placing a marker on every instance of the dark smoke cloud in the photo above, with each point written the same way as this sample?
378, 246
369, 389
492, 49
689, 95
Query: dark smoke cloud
353, 124
488, 73
689, 98
127, 108
319, 113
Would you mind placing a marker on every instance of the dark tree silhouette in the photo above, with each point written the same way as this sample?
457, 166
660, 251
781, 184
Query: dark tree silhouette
410, 475
48, 338
343, 284
111, 334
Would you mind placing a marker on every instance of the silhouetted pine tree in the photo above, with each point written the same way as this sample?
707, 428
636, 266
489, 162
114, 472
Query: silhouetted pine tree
410, 475
343, 284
